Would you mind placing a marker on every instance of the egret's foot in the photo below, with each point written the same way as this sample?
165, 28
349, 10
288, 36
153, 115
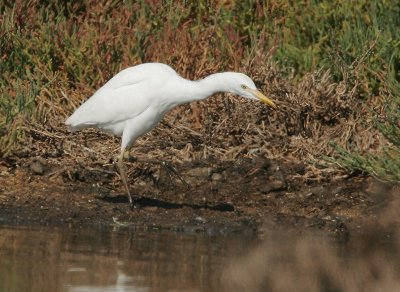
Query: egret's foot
135, 205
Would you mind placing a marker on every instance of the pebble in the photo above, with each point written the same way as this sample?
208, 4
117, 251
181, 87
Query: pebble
274, 186
300, 168
200, 172
200, 219
318, 190
217, 176
37, 165
4, 170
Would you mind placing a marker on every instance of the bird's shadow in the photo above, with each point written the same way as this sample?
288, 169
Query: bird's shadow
150, 202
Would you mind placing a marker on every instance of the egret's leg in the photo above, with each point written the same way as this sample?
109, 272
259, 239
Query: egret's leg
123, 174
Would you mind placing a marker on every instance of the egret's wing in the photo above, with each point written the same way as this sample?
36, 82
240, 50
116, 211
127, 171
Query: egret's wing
140, 73
123, 97
110, 106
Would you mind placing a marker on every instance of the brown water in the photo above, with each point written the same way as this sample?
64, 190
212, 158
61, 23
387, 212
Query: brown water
71, 259
122, 259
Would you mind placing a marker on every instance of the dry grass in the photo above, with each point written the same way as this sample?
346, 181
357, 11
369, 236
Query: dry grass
56, 55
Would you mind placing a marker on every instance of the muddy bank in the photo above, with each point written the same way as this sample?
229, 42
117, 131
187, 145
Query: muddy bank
244, 195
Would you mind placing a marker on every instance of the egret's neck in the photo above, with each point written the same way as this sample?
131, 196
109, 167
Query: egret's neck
201, 89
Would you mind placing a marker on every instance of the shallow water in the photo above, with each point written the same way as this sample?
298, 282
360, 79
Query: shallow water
122, 259
100, 259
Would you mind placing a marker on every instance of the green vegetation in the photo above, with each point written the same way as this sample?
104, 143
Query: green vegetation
53, 53
386, 163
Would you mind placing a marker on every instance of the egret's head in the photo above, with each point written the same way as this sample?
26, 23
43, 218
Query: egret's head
242, 85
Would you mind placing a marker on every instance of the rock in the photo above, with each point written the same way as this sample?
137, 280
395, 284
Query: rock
262, 163
4, 170
317, 190
200, 219
274, 186
200, 172
217, 177
37, 165
300, 168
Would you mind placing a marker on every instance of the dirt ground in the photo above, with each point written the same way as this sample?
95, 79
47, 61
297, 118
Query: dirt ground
244, 195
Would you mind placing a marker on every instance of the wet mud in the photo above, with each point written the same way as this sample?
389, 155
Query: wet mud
243, 195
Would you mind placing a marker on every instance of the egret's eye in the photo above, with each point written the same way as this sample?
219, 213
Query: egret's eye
244, 86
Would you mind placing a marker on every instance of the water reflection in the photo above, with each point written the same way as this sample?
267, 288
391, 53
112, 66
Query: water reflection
317, 263
54, 259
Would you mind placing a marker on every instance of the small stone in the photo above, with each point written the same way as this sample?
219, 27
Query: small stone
41, 160
37, 167
300, 168
4, 170
217, 177
337, 191
200, 219
318, 190
274, 186
200, 172
262, 163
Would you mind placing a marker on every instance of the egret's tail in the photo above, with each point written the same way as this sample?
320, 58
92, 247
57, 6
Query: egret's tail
74, 124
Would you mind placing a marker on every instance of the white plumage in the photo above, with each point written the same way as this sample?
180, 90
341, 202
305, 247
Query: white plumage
137, 98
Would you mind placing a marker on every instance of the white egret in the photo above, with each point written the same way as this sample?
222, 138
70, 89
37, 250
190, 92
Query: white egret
132, 102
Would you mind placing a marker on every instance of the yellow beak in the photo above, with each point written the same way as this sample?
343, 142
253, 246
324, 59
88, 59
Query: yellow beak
262, 97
